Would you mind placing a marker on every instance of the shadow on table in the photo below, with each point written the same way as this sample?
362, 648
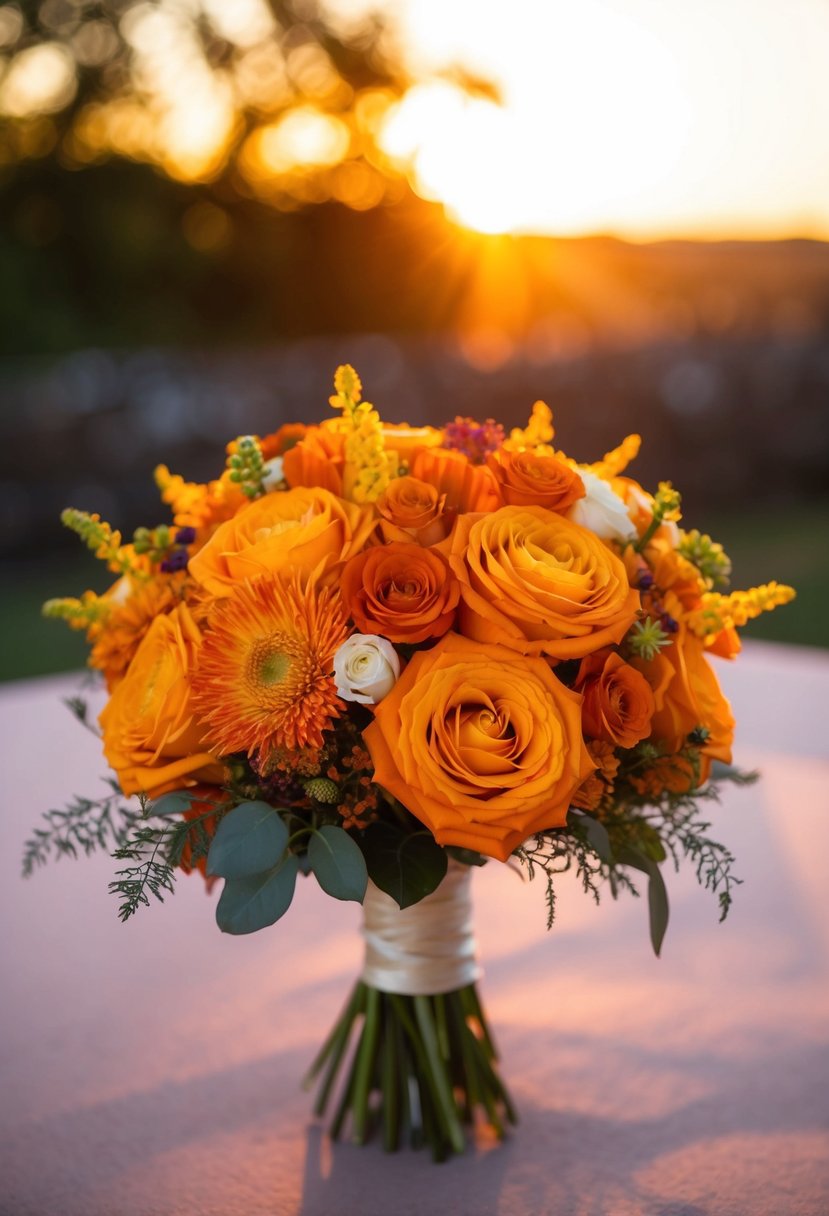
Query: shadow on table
237, 1141
572, 1163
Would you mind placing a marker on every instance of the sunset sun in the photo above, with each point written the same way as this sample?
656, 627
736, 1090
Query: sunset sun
579, 142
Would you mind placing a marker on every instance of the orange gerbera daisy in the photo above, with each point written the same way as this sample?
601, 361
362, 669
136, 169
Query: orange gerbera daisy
265, 675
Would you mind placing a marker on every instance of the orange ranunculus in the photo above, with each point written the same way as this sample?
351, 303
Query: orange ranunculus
401, 591
529, 480
467, 487
687, 696
618, 701
152, 737
482, 746
538, 583
316, 461
282, 440
412, 510
293, 530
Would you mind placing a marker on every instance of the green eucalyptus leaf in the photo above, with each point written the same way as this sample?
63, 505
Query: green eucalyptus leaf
174, 803
406, 865
626, 855
657, 907
249, 904
594, 834
657, 892
249, 840
338, 863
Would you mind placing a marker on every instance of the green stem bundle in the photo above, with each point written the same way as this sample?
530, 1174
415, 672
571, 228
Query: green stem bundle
420, 1068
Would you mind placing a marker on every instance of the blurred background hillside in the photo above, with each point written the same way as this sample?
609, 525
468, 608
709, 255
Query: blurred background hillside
206, 205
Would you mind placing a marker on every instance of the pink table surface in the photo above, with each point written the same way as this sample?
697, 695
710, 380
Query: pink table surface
154, 1068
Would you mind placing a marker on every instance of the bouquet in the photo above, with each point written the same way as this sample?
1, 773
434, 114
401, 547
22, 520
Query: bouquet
383, 655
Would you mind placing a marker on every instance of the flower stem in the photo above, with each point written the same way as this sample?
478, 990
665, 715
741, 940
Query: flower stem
421, 1067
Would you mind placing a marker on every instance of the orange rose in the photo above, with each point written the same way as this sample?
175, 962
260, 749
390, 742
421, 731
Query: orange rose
133, 608
152, 737
401, 591
412, 510
292, 530
528, 480
688, 696
618, 702
484, 747
467, 487
538, 583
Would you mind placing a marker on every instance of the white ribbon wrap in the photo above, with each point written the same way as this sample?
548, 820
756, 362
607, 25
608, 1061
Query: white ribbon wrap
426, 949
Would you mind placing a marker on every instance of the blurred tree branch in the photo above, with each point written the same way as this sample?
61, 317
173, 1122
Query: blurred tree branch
198, 89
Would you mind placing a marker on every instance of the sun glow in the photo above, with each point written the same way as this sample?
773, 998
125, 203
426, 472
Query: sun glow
456, 146
620, 116
584, 150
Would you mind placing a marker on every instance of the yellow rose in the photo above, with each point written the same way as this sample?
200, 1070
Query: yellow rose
483, 746
152, 737
302, 530
538, 583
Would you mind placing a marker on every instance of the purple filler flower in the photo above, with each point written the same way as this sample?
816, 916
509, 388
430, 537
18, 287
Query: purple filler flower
473, 439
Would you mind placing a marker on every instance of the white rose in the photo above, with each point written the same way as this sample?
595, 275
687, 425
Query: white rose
366, 668
273, 473
602, 511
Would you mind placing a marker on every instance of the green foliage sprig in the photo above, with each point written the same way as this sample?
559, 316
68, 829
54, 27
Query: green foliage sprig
150, 875
81, 827
639, 834
666, 505
558, 852
156, 851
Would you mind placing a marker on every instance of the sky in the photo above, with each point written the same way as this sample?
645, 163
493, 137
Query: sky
640, 118
644, 118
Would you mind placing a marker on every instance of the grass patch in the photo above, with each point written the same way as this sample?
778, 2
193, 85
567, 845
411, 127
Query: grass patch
790, 545
30, 645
